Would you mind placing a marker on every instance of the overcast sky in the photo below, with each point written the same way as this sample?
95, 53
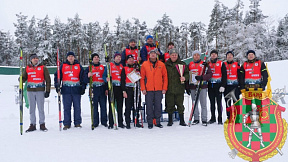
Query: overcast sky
107, 10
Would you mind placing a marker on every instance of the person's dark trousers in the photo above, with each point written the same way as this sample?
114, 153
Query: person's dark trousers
228, 89
68, 99
153, 101
214, 94
129, 101
99, 97
118, 97
137, 109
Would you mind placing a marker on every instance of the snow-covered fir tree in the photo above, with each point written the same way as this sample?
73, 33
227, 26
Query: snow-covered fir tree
164, 28
282, 39
32, 42
21, 35
227, 30
44, 36
58, 39
254, 15
9, 50
215, 24
197, 32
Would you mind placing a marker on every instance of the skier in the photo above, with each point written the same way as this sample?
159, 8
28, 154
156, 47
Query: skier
233, 73
145, 50
100, 89
253, 73
36, 75
128, 89
73, 86
195, 68
167, 55
216, 86
131, 49
176, 87
115, 71
154, 84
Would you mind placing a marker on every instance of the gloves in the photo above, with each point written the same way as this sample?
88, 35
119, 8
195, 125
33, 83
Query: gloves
56, 85
46, 95
188, 91
221, 89
83, 91
199, 77
204, 63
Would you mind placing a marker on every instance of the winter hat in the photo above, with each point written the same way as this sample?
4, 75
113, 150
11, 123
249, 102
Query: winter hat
32, 56
173, 50
250, 51
70, 53
152, 51
132, 40
93, 55
195, 52
129, 56
117, 54
214, 51
170, 43
149, 36
230, 52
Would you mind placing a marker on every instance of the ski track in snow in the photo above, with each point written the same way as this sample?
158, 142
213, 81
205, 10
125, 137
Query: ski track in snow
175, 143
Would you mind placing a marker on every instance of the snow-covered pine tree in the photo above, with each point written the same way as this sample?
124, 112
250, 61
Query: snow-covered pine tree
74, 27
92, 38
32, 42
58, 39
254, 15
232, 34
43, 38
108, 39
215, 24
282, 39
182, 44
197, 31
143, 32
164, 28
21, 35
8, 50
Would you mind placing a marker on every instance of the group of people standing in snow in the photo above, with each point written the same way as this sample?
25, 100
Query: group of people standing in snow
160, 74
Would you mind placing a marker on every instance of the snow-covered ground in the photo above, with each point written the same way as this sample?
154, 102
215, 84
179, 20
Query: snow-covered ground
176, 143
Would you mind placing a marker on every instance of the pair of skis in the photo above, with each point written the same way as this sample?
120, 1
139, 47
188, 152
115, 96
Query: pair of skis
91, 92
110, 88
197, 93
59, 93
137, 103
137, 93
21, 91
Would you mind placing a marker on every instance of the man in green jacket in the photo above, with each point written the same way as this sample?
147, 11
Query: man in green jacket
178, 73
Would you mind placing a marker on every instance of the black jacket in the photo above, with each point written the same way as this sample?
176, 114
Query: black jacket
264, 75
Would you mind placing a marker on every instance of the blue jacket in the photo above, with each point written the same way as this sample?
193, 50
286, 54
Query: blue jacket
144, 53
70, 90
